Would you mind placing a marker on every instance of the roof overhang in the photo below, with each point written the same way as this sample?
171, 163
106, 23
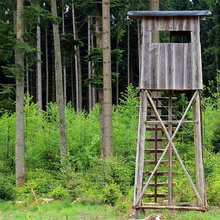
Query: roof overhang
140, 14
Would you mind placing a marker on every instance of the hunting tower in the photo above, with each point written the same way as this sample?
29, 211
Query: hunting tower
169, 64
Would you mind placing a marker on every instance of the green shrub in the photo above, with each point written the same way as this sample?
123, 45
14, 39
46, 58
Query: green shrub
59, 193
43, 184
111, 194
6, 188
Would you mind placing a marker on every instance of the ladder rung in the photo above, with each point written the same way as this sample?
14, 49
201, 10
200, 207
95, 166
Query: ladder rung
155, 195
158, 128
159, 173
159, 184
153, 162
169, 122
159, 139
161, 98
154, 116
159, 107
153, 150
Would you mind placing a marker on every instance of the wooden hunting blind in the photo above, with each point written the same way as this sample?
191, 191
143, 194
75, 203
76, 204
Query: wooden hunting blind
170, 63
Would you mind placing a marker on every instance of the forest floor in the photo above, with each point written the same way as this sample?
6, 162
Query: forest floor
68, 210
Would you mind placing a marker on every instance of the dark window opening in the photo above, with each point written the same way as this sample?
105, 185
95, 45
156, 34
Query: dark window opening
175, 36
180, 37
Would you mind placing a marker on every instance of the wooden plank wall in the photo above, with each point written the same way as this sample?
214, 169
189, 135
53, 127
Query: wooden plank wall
171, 66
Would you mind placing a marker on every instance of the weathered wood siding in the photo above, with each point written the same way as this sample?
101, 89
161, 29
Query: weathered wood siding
171, 66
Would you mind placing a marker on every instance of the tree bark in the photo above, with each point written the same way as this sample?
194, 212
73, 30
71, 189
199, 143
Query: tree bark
59, 86
154, 6
107, 82
89, 63
39, 72
99, 73
77, 66
93, 71
47, 69
19, 62
117, 77
27, 76
128, 54
64, 68
72, 86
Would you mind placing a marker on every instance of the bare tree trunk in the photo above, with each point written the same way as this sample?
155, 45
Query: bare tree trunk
107, 82
139, 47
89, 63
80, 78
128, 54
39, 73
154, 6
117, 77
99, 73
72, 85
53, 82
64, 68
27, 76
59, 86
19, 62
93, 71
47, 69
77, 66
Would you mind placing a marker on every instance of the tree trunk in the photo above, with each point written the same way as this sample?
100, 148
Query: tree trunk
80, 77
139, 47
39, 73
64, 68
154, 6
128, 54
89, 63
47, 69
107, 82
77, 66
117, 77
53, 81
93, 71
19, 62
59, 86
99, 73
27, 76
72, 86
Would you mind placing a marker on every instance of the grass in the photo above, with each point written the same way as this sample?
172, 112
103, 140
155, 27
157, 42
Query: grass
56, 210
68, 210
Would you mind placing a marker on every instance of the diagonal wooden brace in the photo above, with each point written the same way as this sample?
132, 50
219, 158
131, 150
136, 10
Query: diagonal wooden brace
169, 143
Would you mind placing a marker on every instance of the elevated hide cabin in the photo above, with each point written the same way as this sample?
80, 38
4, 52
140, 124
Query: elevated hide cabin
176, 63
169, 63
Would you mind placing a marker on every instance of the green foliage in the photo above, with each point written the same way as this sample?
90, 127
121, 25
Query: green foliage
7, 41
59, 193
6, 188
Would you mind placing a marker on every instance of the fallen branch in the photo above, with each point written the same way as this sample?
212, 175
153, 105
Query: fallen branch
32, 190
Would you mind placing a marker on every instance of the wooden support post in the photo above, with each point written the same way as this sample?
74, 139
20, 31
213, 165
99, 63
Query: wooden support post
170, 151
140, 148
199, 170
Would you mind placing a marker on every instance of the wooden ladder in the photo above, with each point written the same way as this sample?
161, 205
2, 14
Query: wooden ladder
164, 104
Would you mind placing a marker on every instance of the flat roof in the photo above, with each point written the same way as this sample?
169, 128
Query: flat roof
139, 14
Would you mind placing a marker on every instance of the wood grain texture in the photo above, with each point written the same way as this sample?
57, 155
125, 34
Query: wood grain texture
171, 66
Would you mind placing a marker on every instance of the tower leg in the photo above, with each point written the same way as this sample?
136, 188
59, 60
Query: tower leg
199, 169
170, 184
140, 146
137, 213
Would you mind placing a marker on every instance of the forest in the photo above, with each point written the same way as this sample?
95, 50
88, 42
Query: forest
69, 72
